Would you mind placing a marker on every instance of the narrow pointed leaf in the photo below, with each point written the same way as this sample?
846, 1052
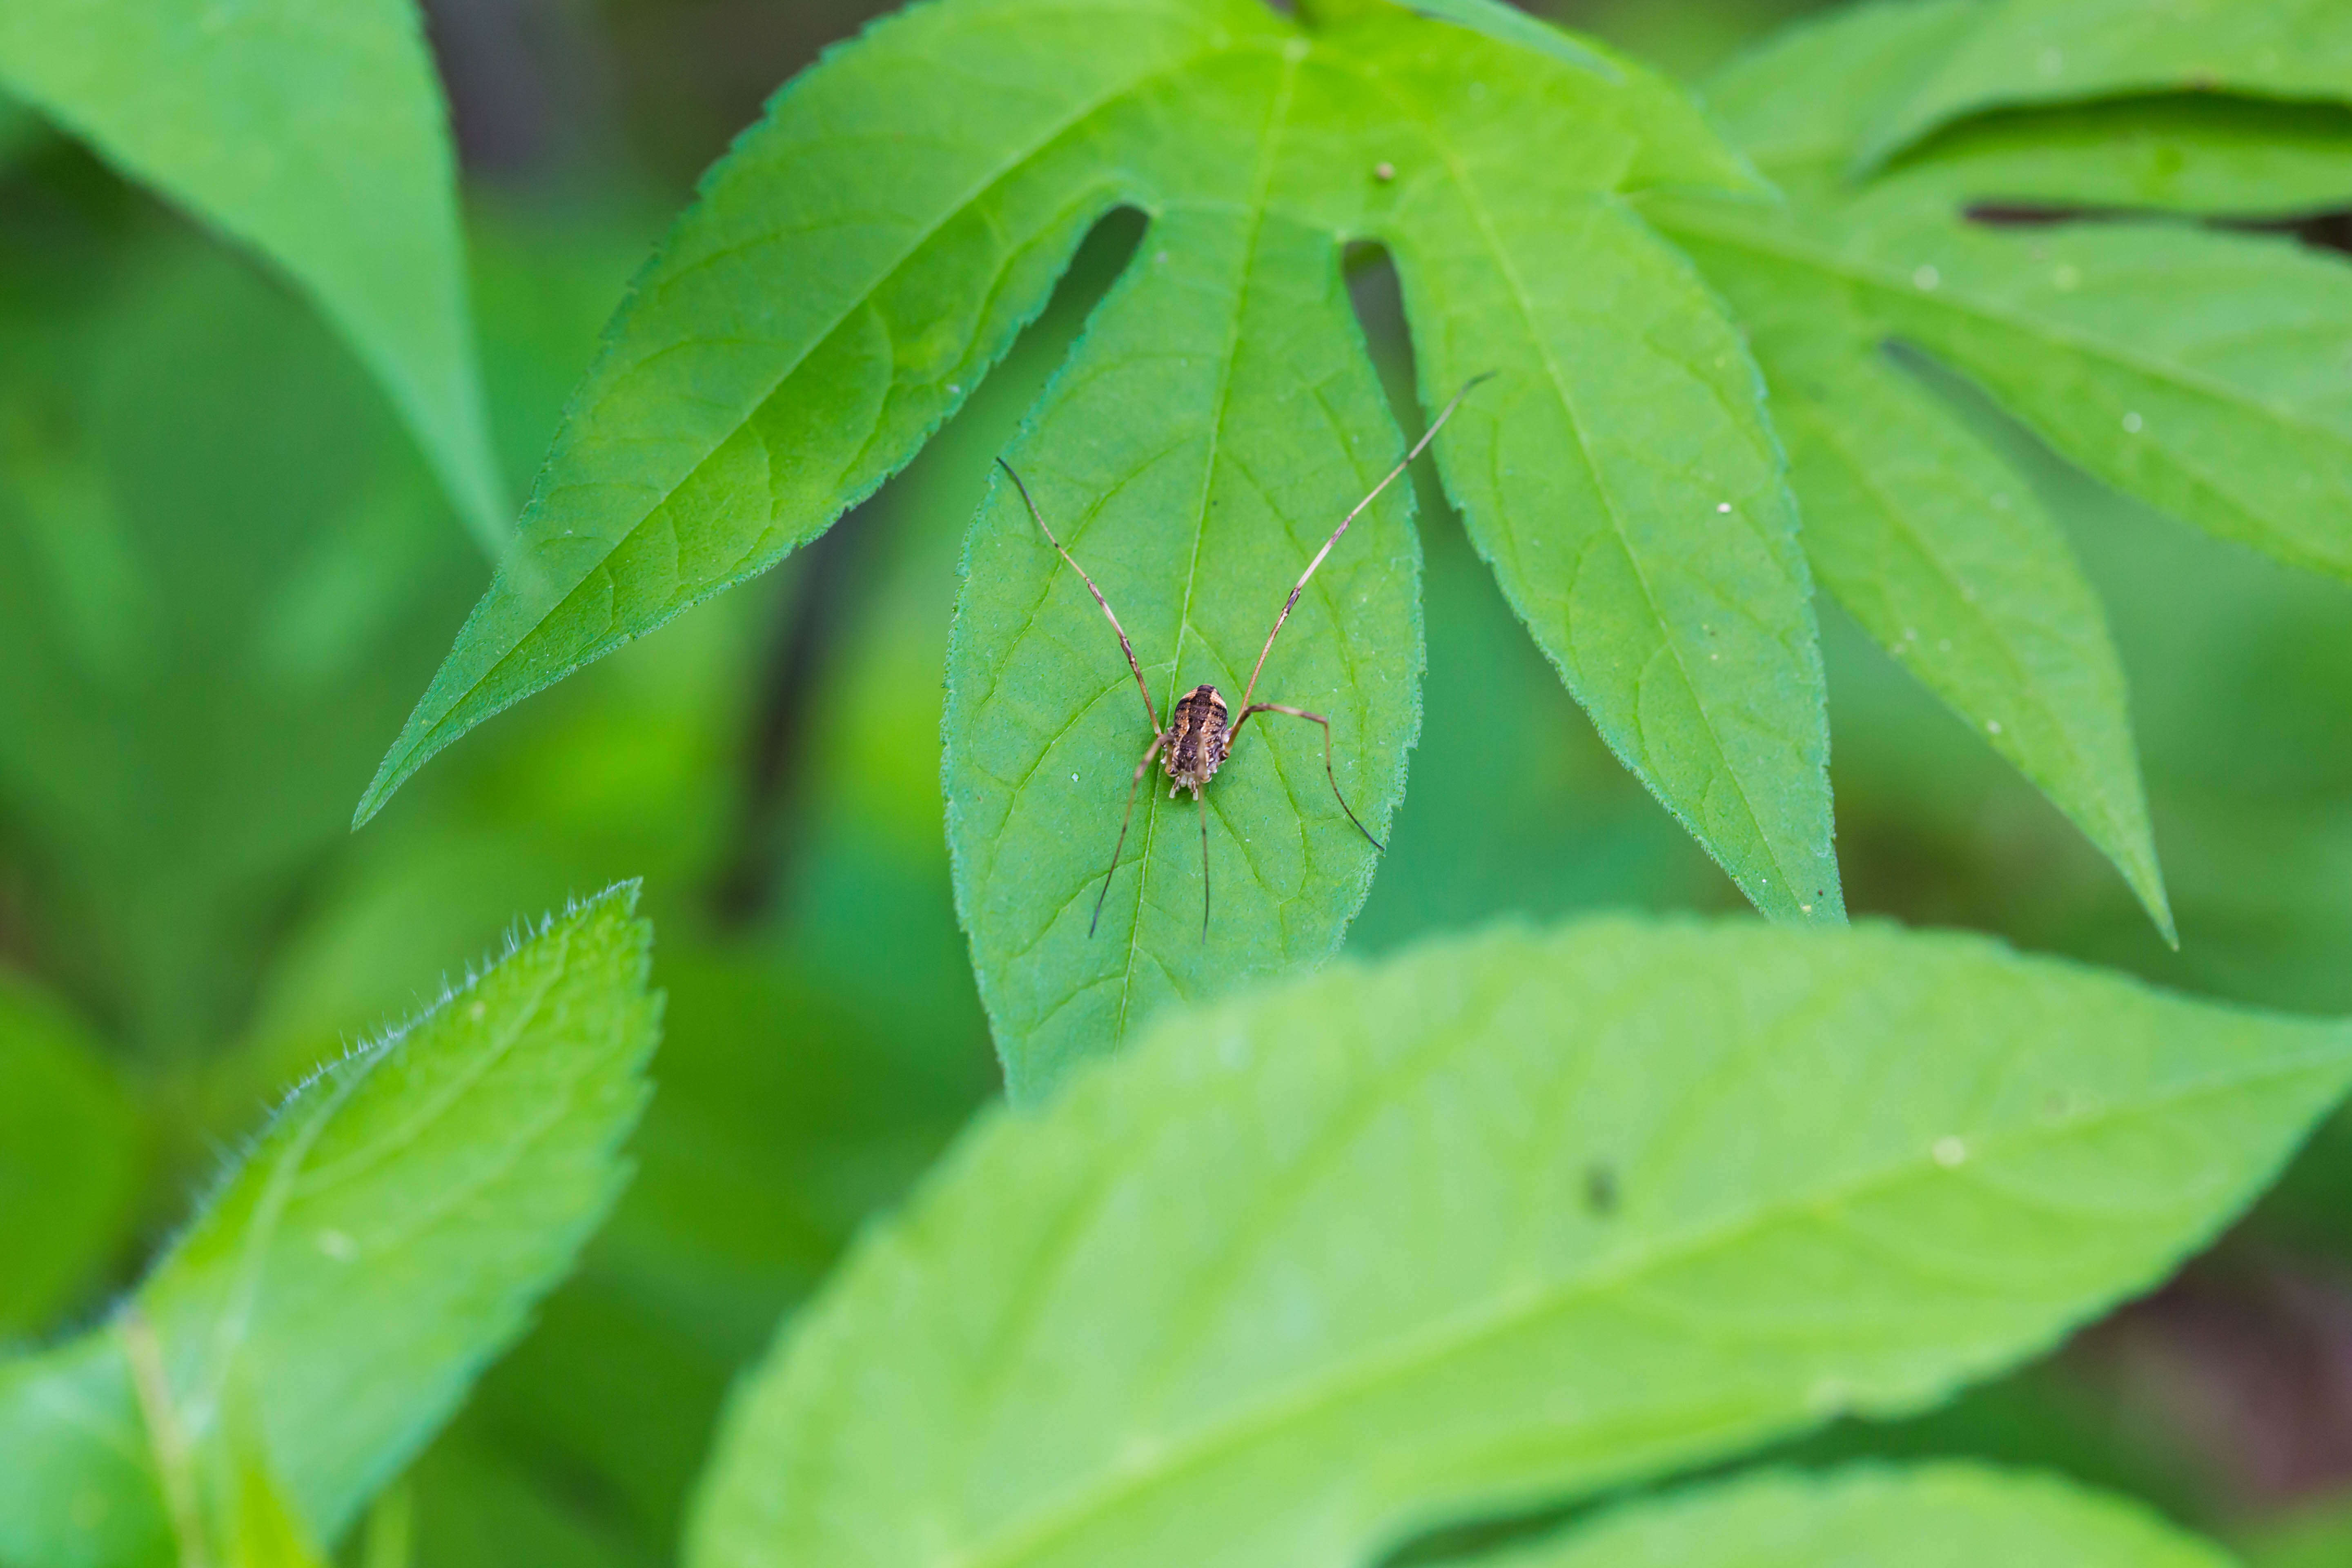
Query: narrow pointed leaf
1624, 484
2020, 52
1935, 1516
69, 1159
2238, 420
1801, 102
2235, 418
1502, 1221
382, 1239
2194, 155
1946, 555
316, 136
1618, 473
851, 270
1219, 420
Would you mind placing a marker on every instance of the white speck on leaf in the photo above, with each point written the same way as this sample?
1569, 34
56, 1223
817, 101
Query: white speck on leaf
338, 1245
1926, 278
1949, 1152
2132, 423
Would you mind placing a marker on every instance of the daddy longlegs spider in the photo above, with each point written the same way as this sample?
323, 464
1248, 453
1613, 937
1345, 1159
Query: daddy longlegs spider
1196, 741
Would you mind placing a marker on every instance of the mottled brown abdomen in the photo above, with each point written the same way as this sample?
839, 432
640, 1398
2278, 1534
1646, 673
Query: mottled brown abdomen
1197, 738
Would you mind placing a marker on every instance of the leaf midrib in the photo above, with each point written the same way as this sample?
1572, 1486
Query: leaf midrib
1269, 142
1237, 1429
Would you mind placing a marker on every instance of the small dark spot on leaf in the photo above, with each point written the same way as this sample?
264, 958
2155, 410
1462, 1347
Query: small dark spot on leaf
1599, 1189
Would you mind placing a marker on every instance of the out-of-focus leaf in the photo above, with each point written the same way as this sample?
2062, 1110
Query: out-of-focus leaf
382, 1240
2232, 414
2194, 155
2009, 53
477, 1507
1943, 1516
20, 128
69, 1159
1506, 1219
259, 1528
317, 137
216, 561
2320, 1537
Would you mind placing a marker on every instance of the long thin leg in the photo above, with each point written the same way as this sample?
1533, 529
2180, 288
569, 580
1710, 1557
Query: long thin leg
1140, 769
1124, 647
1312, 718
1204, 802
1290, 603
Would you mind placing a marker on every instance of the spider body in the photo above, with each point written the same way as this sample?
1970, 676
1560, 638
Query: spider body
1198, 740
1197, 737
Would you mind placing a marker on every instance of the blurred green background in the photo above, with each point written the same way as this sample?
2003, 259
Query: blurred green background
225, 575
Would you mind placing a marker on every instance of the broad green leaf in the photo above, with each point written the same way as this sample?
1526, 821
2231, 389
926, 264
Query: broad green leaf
1935, 1516
319, 138
867, 252
382, 1239
69, 1159
2010, 53
1502, 1221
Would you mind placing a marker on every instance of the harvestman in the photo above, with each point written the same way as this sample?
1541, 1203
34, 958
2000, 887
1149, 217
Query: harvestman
1197, 740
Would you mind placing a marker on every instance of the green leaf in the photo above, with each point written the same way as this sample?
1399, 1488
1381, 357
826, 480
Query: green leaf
2194, 155
851, 270
382, 1239
204, 640
1935, 1516
1625, 485
69, 1158
2011, 53
2231, 416
1945, 554
1498, 1222
1254, 422
319, 138
791, 348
